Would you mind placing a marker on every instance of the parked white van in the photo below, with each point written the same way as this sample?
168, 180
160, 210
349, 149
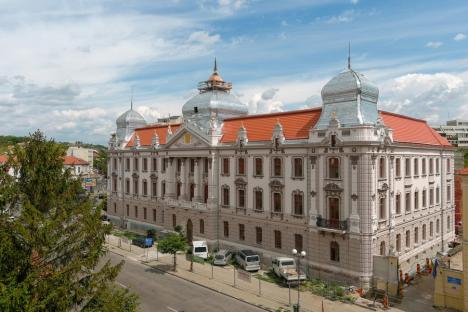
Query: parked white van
200, 249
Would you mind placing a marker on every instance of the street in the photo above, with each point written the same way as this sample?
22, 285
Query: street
159, 291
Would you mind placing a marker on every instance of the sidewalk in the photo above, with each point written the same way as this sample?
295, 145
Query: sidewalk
225, 280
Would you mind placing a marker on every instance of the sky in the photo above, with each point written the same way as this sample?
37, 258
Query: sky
70, 68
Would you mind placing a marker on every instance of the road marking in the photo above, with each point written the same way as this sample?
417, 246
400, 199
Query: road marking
174, 310
122, 285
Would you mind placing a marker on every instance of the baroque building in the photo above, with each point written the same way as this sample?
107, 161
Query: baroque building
344, 181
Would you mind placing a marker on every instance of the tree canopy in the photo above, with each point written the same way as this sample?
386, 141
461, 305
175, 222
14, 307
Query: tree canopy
171, 244
51, 239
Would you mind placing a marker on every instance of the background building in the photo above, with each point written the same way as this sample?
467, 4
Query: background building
77, 166
345, 182
86, 154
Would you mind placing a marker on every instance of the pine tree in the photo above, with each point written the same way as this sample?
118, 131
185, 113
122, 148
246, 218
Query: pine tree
49, 253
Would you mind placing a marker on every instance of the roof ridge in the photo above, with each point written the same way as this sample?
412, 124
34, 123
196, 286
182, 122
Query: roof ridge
297, 111
157, 126
404, 116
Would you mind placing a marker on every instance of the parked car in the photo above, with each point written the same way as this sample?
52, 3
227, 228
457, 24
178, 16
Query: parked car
141, 241
222, 257
285, 268
248, 260
200, 249
104, 218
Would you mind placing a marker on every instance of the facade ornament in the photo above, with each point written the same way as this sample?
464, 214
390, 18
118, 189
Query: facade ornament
334, 122
354, 197
242, 138
155, 140
278, 135
240, 183
313, 193
276, 185
332, 189
112, 142
137, 141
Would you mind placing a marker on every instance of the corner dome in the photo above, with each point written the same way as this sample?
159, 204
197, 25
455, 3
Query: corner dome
347, 86
127, 123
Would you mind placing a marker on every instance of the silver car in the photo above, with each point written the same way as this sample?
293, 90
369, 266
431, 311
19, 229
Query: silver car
222, 257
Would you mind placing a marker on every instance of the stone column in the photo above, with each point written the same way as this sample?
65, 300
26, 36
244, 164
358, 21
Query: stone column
196, 181
183, 179
171, 178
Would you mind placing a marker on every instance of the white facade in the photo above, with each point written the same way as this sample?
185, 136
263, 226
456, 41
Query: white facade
86, 154
341, 192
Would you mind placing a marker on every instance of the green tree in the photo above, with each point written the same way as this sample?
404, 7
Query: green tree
100, 163
49, 253
171, 244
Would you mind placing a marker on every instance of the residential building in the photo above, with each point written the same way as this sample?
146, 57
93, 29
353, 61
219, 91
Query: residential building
87, 154
77, 166
343, 182
456, 132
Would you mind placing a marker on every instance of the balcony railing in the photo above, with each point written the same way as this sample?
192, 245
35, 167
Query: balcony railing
334, 224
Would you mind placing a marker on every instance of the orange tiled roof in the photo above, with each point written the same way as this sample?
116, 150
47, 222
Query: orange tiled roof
463, 171
296, 125
3, 159
411, 130
73, 161
146, 134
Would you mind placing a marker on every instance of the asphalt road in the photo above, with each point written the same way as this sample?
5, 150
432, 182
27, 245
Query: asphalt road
163, 292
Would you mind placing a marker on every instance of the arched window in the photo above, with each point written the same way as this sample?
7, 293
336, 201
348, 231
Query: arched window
333, 168
382, 248
334, 251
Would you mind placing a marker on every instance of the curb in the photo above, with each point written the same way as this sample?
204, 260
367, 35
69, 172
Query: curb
195, 283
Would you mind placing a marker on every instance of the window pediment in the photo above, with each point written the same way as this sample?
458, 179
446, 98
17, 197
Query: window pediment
276, 185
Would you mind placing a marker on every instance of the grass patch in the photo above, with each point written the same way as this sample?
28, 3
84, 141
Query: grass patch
127, 234
270, 277
331, 291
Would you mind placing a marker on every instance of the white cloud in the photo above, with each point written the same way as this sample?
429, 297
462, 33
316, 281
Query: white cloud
203, 37
265, 102
354, 1
149, 113
433, 97
434, 44
459, 37
345, 17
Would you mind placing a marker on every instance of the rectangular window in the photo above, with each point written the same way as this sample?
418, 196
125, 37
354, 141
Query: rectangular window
407, 202
333, 168
163, 189
258, 166
127, 164
135, 187
449, 193
258, 200
225, 196
431, 197
437, 195
154, 164
424, 198
205, 166
398, 167
127, 186
448, 165
115, 164
298, 242
240, 166
179, 165
163, 165
416, 200
416, 235
298, 204
145, 188
115, 208
277, 202
416, 166
424, 166
226, 166
128, 210
144, 213
431, 166
298, 168
407, 167
382, 168
192, 166
398, 204
398, 242
241, 232
437, 166
258, 235
145, 164
154, 189
382, 209
408, 239
226, 228
277, 167
136, 211
135, 164
277, 239
154, 215
241, 198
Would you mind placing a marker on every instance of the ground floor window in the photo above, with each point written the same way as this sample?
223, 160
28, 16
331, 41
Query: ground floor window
241, 232
334, 251
277, 239
202, 226
258, 235
298, 242
226, 228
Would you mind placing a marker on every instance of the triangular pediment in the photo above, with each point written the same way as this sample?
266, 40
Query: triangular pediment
185, 138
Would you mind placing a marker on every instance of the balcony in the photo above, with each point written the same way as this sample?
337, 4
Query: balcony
333, 225
185, 204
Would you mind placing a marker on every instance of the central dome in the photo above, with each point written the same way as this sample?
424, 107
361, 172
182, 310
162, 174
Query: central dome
347, 85
127, 123
215, 100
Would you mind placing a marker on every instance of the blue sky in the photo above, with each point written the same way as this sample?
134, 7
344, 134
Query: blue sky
68, 68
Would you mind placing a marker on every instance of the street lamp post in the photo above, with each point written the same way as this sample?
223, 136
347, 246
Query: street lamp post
298, 256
